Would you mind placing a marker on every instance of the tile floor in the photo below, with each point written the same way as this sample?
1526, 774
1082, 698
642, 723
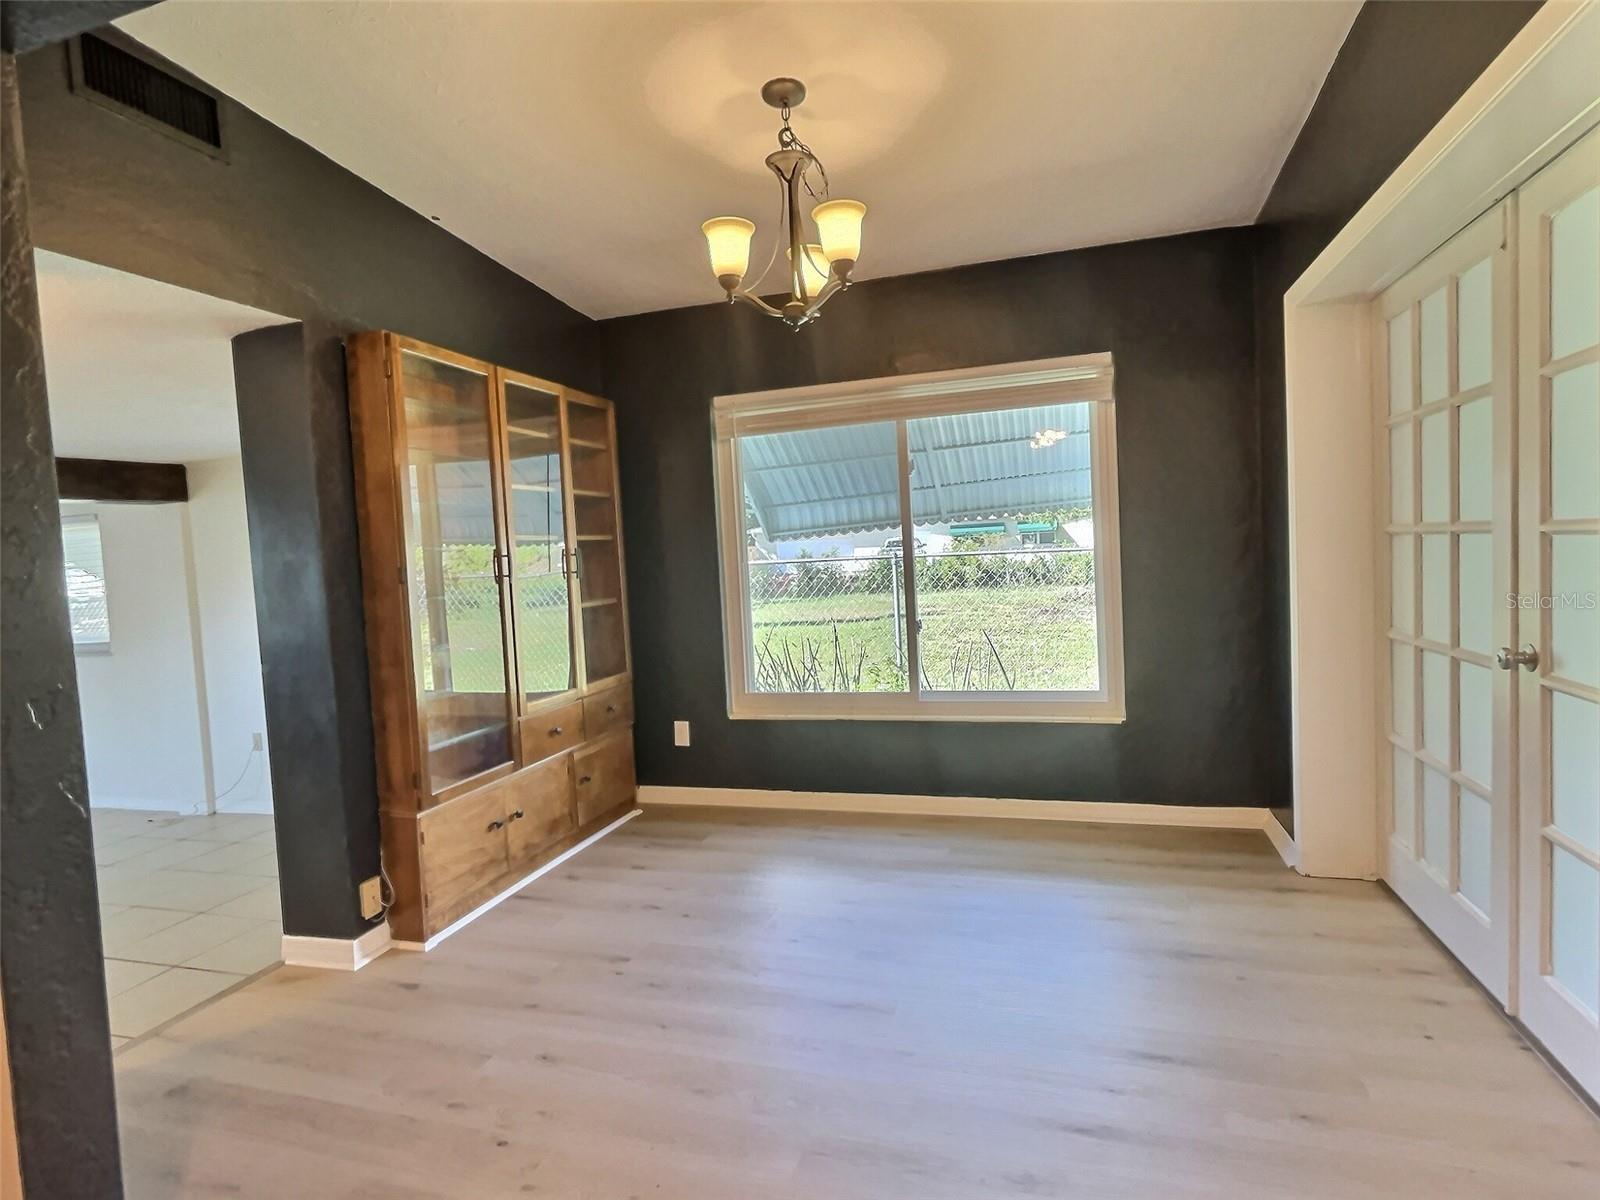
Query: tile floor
188, 908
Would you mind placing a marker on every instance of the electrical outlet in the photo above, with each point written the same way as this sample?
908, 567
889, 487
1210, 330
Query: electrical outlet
371, 898
255, 741
680, 733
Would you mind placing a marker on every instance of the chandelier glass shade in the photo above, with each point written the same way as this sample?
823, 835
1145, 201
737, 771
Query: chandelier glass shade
818, 270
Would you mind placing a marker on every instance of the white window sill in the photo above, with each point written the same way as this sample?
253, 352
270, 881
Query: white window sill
903, 708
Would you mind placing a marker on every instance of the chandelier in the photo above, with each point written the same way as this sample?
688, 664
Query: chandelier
817, 270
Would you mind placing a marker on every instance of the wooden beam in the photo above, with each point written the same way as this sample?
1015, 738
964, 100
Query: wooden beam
125, 482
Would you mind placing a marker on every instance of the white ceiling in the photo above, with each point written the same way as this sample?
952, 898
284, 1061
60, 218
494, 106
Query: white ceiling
581, 144
138, 370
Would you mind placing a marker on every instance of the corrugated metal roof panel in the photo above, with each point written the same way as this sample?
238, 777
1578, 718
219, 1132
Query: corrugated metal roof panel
971, 466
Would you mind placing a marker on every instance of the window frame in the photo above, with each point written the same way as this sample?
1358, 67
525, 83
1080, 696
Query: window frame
90, 520
1081, 378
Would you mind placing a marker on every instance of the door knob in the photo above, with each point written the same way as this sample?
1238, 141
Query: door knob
1509, 659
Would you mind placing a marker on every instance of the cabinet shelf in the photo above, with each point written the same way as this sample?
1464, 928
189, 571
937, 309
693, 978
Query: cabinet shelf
532, 487
587, 443
526, 431
601, 602
591, 493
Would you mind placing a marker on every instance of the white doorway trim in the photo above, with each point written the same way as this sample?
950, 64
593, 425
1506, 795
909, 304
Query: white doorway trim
1533, 101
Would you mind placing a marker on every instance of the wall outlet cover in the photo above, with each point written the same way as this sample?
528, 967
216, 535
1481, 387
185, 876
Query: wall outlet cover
371, 898
680, 733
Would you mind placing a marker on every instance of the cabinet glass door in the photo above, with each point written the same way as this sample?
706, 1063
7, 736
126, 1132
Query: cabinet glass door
539, 551
458, 613
594, 501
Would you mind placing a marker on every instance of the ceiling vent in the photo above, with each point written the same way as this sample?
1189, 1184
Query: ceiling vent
142, 91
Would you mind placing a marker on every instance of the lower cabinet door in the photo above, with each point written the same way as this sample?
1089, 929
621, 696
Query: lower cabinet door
463, 855
538, 808
603, 775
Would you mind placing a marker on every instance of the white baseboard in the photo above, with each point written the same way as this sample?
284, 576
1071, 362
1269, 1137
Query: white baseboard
1282, 841
337, 954
516, 887
157, 804
1108, 813
258, 805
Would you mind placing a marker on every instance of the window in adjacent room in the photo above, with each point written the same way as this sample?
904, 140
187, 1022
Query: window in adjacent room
935, 547
86, 582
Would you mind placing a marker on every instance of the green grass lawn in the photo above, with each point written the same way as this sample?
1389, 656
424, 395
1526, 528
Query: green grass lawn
1035, 638
1039, 638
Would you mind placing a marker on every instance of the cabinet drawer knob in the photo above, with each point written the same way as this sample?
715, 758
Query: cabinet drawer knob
585, 778
555, 731
611, 708
516, 816
493, 825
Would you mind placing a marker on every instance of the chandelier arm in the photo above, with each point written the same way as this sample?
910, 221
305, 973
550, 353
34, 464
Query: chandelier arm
753, 300
777, 241
830, 289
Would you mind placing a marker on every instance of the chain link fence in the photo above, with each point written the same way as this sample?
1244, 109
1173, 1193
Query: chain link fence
988, 620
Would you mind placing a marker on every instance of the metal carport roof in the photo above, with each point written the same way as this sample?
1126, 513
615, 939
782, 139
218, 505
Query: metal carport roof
965, 467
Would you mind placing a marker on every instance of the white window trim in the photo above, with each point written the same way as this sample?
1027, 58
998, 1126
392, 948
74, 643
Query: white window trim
1082, 378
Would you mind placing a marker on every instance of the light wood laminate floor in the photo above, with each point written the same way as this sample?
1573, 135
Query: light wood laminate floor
715, 1005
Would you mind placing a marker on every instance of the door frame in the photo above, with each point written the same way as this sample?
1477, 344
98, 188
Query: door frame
1536, 99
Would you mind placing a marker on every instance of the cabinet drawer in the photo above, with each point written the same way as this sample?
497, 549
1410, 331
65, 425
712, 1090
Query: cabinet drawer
463, 854
552, 731
538, 807
603, 775
607, 711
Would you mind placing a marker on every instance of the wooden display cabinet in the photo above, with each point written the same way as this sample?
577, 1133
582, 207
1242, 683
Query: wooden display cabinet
496, 614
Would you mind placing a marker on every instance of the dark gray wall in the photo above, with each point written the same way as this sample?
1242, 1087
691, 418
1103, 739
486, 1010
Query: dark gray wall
277, 226
1399, 71
1177, 315
294, 435
57, 1040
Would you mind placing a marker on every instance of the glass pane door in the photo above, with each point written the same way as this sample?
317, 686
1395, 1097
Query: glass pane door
1558, 608
1446, 421
458, 626
539, 551
599, 562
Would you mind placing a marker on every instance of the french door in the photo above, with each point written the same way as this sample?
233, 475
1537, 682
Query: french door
1557, 664
1444, 345
1488, 388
